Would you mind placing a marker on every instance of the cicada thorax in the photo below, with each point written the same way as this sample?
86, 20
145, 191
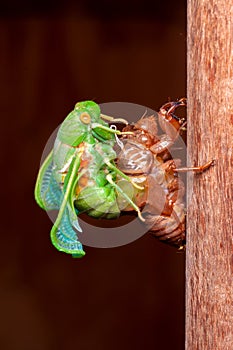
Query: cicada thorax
94, 194
85, 135
145, 155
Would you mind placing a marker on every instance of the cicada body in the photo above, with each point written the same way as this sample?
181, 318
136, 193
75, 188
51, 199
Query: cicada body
79, 175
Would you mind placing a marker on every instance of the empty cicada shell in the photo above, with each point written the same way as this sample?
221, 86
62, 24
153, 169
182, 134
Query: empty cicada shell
145, 157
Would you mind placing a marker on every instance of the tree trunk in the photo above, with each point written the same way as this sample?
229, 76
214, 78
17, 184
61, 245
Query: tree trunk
209, 262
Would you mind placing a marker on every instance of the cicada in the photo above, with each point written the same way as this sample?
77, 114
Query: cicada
145, 157
79, 175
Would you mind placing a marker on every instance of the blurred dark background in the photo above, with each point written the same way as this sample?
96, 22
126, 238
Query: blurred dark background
54, 54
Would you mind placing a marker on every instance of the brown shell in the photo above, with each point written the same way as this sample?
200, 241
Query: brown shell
164, 210
134, 159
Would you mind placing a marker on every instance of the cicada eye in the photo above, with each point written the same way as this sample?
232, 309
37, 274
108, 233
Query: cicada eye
85, 118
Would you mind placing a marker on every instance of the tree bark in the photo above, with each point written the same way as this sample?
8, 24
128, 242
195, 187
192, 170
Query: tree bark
209, 259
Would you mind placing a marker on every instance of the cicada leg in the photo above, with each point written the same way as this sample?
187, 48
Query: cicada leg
113, 120
113, 131
110, 180
111, 166
170, 123
198, 169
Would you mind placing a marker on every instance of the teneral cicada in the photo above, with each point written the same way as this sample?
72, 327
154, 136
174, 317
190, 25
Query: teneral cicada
79, 175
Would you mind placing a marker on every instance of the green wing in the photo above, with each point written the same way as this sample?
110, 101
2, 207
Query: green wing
50, 196
48, 193
63, 235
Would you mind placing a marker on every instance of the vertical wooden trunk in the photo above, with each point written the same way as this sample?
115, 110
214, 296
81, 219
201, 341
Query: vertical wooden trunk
209, 262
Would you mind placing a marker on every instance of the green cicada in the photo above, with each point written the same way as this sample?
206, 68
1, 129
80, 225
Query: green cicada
79, 175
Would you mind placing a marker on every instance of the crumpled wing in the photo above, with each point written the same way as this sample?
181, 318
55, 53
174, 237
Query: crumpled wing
48, 193
63, 235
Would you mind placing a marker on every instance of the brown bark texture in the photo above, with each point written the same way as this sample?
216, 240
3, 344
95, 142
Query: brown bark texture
209, 261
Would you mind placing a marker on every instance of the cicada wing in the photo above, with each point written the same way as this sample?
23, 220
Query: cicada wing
69, 189
73, 218
64, 237
48, 193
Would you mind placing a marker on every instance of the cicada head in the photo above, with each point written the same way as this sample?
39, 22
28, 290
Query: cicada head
88, 111
145, 130
148, 124
78, 123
